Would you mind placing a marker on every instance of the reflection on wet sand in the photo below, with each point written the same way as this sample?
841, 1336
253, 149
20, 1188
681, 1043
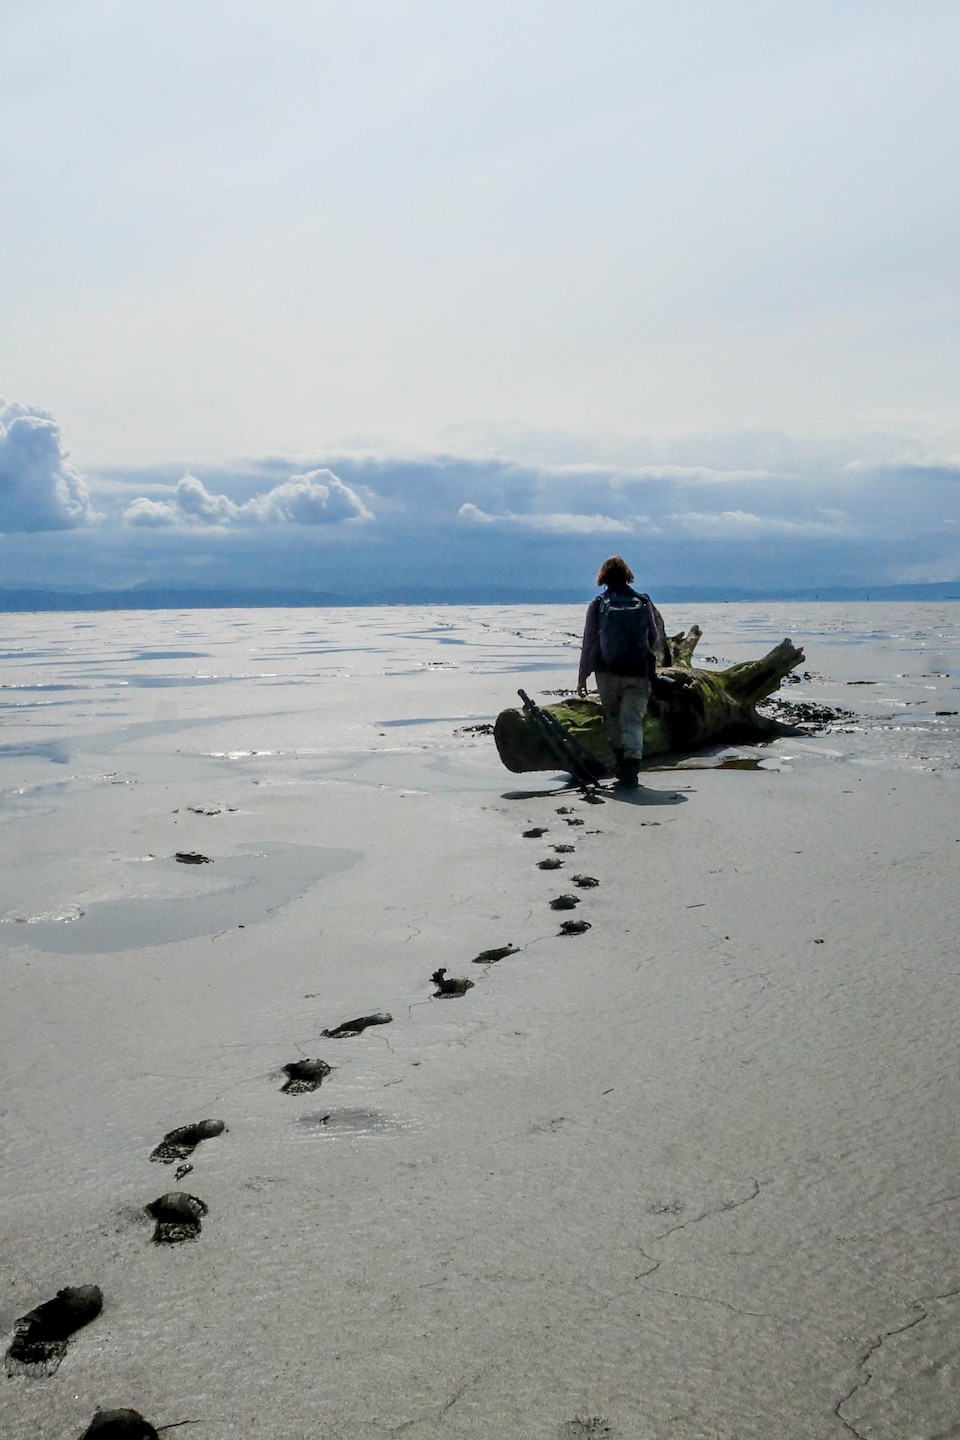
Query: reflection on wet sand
259, 880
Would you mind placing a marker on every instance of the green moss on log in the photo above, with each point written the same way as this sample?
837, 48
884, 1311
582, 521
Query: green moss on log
705, 707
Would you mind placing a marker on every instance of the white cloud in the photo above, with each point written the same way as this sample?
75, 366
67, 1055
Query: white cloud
577, 524
39, 490
690, 475
316, 498
556, 524
191, 503
744, 525
946, 466
711, 522
475, 515
150, 512
620, 475
195, 503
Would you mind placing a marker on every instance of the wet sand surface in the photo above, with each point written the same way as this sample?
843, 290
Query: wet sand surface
691, 1172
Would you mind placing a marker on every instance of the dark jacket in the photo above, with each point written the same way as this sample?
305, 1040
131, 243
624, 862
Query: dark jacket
591, 661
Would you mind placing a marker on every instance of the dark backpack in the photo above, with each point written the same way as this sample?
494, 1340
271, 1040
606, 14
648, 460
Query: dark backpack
624, 627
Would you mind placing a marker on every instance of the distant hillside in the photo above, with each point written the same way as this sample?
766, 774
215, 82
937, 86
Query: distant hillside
177, 598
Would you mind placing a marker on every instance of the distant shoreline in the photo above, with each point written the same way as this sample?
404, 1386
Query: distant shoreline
142, 598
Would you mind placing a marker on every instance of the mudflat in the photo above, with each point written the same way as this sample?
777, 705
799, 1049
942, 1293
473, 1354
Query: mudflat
688, 1172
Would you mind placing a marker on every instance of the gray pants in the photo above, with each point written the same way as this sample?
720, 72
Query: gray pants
624, 699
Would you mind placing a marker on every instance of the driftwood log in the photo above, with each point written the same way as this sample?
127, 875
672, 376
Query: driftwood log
700, 707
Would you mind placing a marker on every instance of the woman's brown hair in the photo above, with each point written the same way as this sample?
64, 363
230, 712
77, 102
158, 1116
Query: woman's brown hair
614, 572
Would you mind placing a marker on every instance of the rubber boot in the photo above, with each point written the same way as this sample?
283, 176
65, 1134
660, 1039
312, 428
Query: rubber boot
628, 775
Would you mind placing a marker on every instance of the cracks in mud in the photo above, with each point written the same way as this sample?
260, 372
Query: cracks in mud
922, 1306
719, 1210
711, 1300
452, 1399
722, 1209
458, 1393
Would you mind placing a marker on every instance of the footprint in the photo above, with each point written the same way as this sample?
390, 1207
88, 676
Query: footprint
565, 902
303, 1075
178, 1216
181, 1171
573, 820
585, 882
178, 1144
40, 1337
584, 1426
551, 863
574, 927
448, 986
356, 1027
192, 857
535, 833
565, 810
564, 849
119, 1425
490, 957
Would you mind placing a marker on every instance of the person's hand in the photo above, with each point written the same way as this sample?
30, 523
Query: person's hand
582, 689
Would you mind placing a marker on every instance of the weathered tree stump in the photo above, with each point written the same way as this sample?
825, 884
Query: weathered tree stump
699, 707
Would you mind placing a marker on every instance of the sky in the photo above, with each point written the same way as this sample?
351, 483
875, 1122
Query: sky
301, 292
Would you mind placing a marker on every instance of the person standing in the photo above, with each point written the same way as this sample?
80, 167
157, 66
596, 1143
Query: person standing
619, 645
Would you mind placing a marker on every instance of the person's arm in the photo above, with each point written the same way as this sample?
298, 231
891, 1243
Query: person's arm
652, 638
588, 650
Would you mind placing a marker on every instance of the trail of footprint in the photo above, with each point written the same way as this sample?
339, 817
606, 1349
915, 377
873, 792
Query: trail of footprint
490, 957
178, 1144
41, 1336
356, 1027
120, 1425
304, 1075
178, 1216
449, 986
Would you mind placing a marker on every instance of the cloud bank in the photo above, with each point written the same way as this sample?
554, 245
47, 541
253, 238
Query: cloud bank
316, 498
743, 513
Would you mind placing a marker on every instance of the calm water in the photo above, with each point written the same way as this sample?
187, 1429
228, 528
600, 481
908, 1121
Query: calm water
106, 719
72, 686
